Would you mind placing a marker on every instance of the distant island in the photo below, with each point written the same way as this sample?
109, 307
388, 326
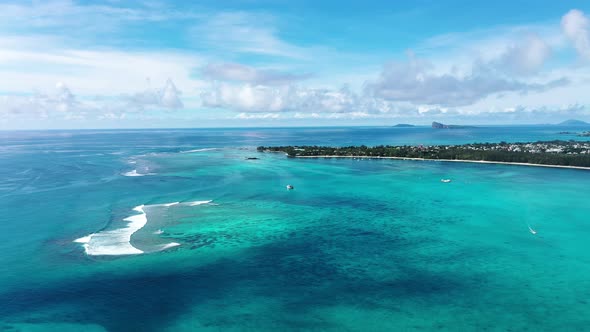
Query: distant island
571, 154
573, 122
438, 125
403, 125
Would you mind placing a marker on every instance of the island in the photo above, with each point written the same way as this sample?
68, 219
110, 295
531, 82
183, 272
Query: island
438, 125
571, 154
584, 134
572, 122
403, 125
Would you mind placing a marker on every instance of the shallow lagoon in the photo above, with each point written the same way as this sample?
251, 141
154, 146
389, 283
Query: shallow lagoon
357, 245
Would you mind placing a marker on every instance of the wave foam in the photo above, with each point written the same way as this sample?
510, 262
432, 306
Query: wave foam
168, 245
199, 150
134, 173
117, 241
84, 239
195, 203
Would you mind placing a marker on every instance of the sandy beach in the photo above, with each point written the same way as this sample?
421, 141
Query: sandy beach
452, 160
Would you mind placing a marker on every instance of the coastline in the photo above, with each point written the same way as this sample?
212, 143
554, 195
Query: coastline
454, 160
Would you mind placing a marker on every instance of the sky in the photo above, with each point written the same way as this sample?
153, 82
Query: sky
248, 63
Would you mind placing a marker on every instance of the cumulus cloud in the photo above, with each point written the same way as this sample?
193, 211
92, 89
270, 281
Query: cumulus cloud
261, 98
576, 27
258, 116
241, 73
409, 88
415, 81
167, 97
246, 97
62, 103
64, 99
342, 100
526, 57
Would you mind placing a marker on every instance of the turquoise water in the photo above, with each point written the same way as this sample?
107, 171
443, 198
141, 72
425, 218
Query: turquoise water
359, 245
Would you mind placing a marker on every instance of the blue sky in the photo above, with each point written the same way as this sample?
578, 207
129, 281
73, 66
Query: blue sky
124, 64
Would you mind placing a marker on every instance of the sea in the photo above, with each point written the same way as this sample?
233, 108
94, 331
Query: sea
178, 230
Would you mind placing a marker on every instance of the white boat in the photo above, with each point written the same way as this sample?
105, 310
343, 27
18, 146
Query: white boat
532, 230
445, 180
289, 187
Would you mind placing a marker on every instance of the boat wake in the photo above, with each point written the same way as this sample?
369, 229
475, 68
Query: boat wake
134, 173
195, 203
117, 242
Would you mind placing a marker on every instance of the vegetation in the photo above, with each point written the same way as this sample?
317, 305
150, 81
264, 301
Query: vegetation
565, 153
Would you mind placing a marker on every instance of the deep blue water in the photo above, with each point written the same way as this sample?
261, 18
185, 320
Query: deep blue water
358, 245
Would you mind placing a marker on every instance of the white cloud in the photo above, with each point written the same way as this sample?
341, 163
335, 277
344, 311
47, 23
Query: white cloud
258, 116
313, 115
60, 102
471, 73
64, 99
64, 104
414, 81
167, 97
73, 17
246, 97
513, 51
26, 67
576, 27
243, 73
525, 57
261, 98
243, 32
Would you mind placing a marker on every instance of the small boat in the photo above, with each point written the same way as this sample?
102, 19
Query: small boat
290, 187
445, 180
159, 231
534, 232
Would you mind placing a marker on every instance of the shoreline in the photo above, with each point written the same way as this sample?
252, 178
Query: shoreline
453, 160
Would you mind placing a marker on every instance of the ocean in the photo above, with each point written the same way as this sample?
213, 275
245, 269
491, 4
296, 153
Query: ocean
176, 230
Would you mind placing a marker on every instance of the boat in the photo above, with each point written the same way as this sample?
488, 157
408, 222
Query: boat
445, 180
534, 232
290, 187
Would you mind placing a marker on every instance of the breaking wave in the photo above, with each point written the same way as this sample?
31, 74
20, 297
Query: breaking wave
116, 242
